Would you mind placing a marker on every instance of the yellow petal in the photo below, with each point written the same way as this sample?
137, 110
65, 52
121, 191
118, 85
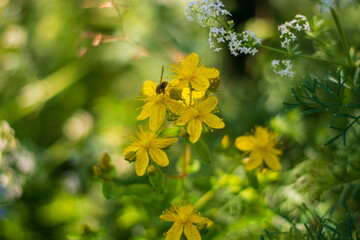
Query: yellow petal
169, 216
131, 148
191, 232
254, 161
199, 83
272, 161
209, 72
163, 142
191, 61
149, 88
175, 107
194, 129
159, 156
261, 133
214, 121
141, 162
206, 106
157, 116
198, 219
145, 111
245, 143
174, 232
185, 116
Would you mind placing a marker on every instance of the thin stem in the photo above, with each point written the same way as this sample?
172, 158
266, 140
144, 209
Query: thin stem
296, 55
211, 193
342, 37
187, 155
299, 55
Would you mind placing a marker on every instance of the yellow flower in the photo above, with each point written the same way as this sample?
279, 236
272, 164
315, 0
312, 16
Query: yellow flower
156, 105
195, 95
184, 217
189, 70
262, 148
194, 116
145, 143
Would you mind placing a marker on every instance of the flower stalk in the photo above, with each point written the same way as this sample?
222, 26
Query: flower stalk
342, 37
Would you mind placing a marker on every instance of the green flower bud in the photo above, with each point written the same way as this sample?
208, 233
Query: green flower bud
97, 171
214, 84
105, 162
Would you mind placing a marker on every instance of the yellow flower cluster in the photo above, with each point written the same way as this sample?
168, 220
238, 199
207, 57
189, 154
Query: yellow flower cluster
186, 98
193, 108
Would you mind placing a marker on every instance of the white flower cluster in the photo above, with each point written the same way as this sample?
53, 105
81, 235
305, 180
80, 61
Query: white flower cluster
283, 68
206, 11
289, 29
209, 13
15, 162
238, 43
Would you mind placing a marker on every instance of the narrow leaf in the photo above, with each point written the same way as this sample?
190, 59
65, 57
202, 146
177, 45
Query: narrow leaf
313, 111
201, 150
157, 180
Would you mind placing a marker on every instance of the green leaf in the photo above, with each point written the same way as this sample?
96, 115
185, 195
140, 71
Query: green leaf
110, 190
107, 189
203, 183
158, 180
252, 178
201, 150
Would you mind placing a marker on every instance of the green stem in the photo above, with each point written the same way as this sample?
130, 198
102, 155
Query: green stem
342, 37
211, 193
299, 55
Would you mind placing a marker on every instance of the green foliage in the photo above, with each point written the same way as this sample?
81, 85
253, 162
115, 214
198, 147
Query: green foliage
330, 96
201, 150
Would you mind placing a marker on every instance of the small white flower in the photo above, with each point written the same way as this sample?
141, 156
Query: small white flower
289, 29
283, 68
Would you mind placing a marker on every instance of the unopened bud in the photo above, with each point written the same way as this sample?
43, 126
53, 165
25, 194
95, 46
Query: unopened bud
214, 84
176, 94
129, 156
97, 171
184, 133
105, 162
225, 142
151, 170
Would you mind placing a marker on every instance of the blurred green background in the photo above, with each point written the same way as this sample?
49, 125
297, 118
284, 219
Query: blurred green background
70, 72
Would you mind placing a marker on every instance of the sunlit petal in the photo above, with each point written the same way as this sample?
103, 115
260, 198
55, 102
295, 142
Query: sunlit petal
194, 129
206, 106
146, 111
149, 88
209, 72
254, 160
245, 143
174, 232
272, 161
131, 148
159, 156
191, 232
199, 83
141, 162
163, 142
191, 61
185, 117
157, 116
214, 121
169, 216
198, 219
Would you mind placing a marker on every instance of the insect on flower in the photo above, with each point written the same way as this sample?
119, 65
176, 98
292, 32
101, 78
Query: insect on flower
162, 85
